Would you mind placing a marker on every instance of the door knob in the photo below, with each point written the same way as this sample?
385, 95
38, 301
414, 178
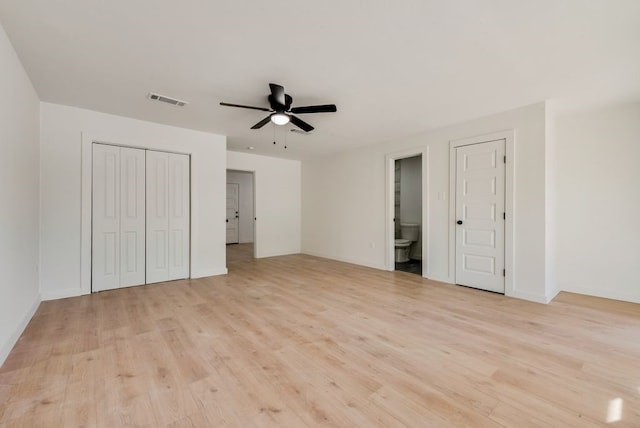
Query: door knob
227, 220
459, 221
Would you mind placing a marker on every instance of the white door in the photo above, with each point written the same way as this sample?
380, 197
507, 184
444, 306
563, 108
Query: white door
480, 194
157, 172
105, 236
233, 205
132, 217
179, 198
167, 216
118, 233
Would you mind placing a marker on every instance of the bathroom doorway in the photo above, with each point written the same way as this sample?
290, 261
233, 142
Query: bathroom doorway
240, 218
407, 214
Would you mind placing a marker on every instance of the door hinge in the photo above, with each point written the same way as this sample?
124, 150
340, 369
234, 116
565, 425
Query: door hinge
504, 272
504, 159
504, 216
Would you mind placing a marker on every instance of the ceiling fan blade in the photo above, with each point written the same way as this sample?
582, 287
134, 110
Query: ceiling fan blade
262, 123
300, 123
326, 108
241, 106
278, 93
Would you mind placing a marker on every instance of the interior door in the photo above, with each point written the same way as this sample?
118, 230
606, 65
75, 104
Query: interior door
233, 204
132, 217
480, 199
105, 233
179, 198
157, 248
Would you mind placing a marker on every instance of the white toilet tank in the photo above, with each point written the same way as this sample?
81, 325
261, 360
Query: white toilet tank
409, 231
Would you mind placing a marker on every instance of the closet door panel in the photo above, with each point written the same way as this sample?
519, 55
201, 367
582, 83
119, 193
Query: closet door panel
105, 239
132, 217
179, 199
157, 242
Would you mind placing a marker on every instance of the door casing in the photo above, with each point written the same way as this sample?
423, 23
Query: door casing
479, 215
509, 137
390, 214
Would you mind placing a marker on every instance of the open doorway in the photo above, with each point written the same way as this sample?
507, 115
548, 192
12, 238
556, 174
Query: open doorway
407, 214
240, 218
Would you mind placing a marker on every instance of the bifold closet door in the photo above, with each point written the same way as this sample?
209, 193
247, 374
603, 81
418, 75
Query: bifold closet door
179, 214
167, 216
118, 232
132, 217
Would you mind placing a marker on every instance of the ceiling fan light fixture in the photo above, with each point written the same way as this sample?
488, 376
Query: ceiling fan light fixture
280, 118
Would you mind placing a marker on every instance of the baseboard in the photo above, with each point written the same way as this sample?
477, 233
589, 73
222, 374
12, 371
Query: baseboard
552, 295
279, 253
13, 339
609, 294
209, 272
345, 260
61, 294
537, 298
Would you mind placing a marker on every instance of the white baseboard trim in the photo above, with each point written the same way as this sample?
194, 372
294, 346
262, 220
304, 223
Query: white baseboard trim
6, 348
537, 298
608, 294
552, 295
345, 260
209, 272
444, 280
61, 294
278, 253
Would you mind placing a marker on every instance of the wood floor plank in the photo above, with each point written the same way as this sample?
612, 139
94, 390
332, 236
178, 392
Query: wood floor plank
300, 341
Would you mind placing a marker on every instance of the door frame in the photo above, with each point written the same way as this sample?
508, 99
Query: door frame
255, 207
390, 160
509, 191
86, 208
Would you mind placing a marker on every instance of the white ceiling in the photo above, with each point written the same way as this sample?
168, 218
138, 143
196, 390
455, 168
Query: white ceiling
394, 68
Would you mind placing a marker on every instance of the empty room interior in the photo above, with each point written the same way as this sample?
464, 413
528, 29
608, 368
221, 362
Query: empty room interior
338, 213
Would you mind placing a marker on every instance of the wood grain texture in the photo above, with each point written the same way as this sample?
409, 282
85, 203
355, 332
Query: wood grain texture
300, 341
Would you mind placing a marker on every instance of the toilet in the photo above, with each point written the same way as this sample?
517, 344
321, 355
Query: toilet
409, 233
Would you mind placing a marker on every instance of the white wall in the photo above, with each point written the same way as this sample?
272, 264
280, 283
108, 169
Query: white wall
597, 202
245, 204
343, 204
66, 135
277, 202
19, 163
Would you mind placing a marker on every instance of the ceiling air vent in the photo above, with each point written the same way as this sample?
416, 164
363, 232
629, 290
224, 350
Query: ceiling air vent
168, 100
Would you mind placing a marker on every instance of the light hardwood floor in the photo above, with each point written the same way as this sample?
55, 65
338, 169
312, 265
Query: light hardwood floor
301, 341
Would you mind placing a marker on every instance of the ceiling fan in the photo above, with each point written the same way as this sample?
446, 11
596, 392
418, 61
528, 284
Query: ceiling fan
282, 112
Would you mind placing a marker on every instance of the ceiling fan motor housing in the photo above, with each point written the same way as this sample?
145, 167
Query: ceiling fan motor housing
276, 106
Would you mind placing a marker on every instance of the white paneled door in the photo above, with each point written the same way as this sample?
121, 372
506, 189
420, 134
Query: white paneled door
140, 210
157, 216
480, 202
233, 205
118, 236
179, 225
132, 217
167, 216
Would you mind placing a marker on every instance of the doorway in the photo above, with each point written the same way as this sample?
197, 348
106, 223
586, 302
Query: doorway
408, 214
240, 218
